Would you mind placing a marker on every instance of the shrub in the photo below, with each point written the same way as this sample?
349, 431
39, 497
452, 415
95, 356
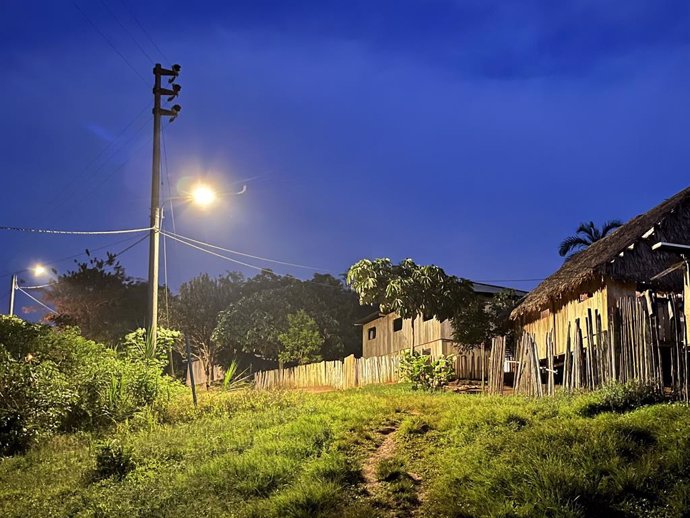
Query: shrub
623, 397
113, 460
34, 401
55, 380
424, 372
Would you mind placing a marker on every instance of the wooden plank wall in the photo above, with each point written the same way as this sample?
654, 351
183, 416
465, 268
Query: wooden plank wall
565, 315
389, 342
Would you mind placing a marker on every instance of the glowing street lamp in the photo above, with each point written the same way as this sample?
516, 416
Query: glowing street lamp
203, 195
38, 270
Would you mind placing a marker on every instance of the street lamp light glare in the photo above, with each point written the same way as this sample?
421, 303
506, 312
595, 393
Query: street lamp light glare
203, 195
39, 270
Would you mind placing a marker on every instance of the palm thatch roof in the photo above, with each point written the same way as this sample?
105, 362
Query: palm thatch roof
625, 255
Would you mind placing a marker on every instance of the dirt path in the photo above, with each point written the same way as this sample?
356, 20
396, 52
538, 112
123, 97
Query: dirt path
391, 488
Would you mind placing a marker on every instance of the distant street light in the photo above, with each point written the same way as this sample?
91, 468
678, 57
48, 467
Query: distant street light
38, 270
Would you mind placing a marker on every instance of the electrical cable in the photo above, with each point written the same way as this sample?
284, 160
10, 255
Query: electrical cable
165, 278
117, 20
249, 255
128, 248
214, 253
116, 145
110, 43
146, 33
37, 301
77, 232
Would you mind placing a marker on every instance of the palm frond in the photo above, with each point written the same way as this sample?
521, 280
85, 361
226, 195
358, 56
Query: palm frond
571, 244
589, 231
610, 226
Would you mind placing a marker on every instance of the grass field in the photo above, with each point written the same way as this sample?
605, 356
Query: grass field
379, 451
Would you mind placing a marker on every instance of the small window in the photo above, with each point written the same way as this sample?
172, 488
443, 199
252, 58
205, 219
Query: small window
397, 324
371, 333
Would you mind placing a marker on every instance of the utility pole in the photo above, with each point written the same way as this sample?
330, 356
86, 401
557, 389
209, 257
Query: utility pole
13, 288
154, 237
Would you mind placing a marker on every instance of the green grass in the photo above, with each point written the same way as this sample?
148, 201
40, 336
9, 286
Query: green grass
289, 454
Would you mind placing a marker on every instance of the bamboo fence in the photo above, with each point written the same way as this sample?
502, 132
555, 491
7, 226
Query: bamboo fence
349, 373
496, 365
630, 350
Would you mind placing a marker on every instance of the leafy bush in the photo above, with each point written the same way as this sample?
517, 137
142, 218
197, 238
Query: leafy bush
34, 401
424, 372
113, 460
138, 344
56, 380
623, 397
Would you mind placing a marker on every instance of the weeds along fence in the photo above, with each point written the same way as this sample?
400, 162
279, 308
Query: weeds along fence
349, 373
643, 343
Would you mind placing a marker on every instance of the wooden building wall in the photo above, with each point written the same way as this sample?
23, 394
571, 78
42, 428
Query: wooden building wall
388, 341
431, 337
599, 299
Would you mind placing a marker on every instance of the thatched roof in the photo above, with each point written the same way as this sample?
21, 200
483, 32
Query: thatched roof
625, 255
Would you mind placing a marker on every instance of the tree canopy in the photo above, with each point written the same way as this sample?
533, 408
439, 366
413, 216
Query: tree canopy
100, 299
302, 341
253, 323
408, 289
411, 290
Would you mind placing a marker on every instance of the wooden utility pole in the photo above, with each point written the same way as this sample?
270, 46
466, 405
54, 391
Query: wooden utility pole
154, 237
13, 288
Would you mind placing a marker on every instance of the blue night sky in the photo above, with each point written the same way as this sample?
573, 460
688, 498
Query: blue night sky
470, 134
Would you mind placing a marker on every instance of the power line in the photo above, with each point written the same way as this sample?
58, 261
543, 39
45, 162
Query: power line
77, 232
248, 255
118, 254
110, 43
115, 145
74, 256
171, 236
146, 54
37, 301
146, 33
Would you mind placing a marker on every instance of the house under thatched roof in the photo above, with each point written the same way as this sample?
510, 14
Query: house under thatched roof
625, 256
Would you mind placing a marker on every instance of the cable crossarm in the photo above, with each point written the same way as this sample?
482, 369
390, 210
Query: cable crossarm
211, 252
76, 232
257, 257
37, 301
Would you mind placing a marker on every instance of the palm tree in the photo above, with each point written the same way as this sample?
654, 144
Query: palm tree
586, 234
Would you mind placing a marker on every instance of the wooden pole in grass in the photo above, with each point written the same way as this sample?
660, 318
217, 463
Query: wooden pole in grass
191, 370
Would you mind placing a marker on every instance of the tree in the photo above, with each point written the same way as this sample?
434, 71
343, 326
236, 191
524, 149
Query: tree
195, 312
483, 319
585, 235
302, 341
100, 299
253, 323
408, 289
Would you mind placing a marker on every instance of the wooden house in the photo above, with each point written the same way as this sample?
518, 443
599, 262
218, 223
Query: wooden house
387, 334
587, 291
